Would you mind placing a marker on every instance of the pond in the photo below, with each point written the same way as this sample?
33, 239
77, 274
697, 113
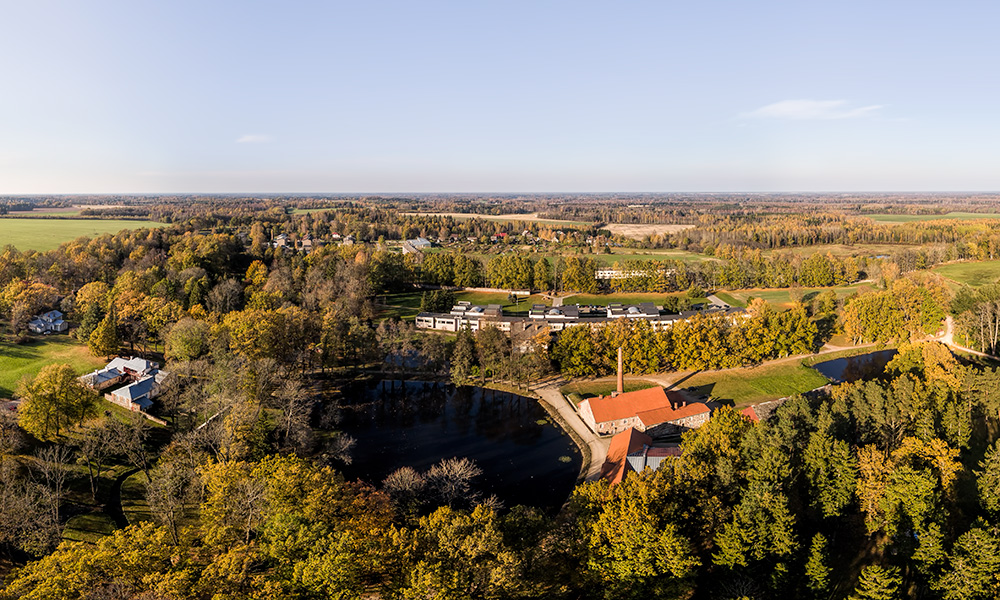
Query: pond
854, 368
525, 457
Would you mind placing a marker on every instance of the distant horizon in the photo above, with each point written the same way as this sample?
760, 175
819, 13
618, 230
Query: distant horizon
519, 193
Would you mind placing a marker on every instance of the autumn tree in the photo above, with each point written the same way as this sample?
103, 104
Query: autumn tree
53, 401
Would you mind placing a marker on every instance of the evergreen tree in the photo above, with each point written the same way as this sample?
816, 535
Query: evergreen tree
877, 583
817, 567
463, 358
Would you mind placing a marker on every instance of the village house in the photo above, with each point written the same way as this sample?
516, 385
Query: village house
651, 411
50, 322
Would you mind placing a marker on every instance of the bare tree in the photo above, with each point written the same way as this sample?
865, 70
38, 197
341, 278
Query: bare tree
296, 405
52, 462
451, 481
169, 493
129, 440
95, 450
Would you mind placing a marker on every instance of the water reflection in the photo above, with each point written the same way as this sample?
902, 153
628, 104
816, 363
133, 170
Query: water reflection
856, 368
525, 458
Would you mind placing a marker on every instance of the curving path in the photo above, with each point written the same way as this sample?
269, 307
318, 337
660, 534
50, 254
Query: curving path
548, 392
948, 339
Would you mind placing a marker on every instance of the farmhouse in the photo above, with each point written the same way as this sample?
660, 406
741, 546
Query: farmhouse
50, 322
633, 451
133, 382
651, 411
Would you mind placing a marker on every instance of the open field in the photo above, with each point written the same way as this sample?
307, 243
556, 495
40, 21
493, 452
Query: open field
781, 297
26, 360
638, 232
758, 384
964, 216
971, 273
606, 299
533, 217
47, 234
581, 390
624, 254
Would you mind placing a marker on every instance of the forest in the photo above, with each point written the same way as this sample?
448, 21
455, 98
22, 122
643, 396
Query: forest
887, 487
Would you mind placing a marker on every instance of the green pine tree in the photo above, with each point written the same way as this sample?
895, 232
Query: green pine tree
877, 583
817, 569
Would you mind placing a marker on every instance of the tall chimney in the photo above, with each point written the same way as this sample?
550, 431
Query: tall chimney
621, 372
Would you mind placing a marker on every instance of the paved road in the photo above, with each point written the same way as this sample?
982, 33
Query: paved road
549, 393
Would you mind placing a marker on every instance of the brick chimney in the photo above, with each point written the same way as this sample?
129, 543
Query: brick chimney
621, 372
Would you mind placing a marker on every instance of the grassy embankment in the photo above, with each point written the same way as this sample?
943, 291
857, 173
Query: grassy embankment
46, 234
743, 387
26, 360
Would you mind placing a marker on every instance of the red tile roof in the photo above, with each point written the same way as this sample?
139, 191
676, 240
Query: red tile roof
750, 413
624, 406
662, 415
622, 445
652, 406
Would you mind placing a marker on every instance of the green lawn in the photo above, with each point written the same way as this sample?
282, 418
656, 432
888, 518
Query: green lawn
730, 300
758, 384
46, 234
579, 391
964, 216
781, 297
606, 299
89, 527
971, 273
134, 503
26, 360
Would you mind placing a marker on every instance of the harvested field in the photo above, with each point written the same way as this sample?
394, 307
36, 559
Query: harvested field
640, 231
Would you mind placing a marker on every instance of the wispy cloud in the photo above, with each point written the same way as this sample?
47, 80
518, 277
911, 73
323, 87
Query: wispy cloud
254, 138
812, 110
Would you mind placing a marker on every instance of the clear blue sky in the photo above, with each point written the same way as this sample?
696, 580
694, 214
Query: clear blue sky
480, 96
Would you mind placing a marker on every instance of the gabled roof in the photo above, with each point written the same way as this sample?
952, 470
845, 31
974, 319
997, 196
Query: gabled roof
750, 413
629, 404
653, 406
139, 389
139, 365
623, 444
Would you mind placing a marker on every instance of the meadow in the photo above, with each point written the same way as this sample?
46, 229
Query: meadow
48, 234
963, 216
782, 297
26, 360
971, 273
744, 387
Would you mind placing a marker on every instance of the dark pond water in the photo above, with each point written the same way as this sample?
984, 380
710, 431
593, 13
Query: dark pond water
526, 459
855, 368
